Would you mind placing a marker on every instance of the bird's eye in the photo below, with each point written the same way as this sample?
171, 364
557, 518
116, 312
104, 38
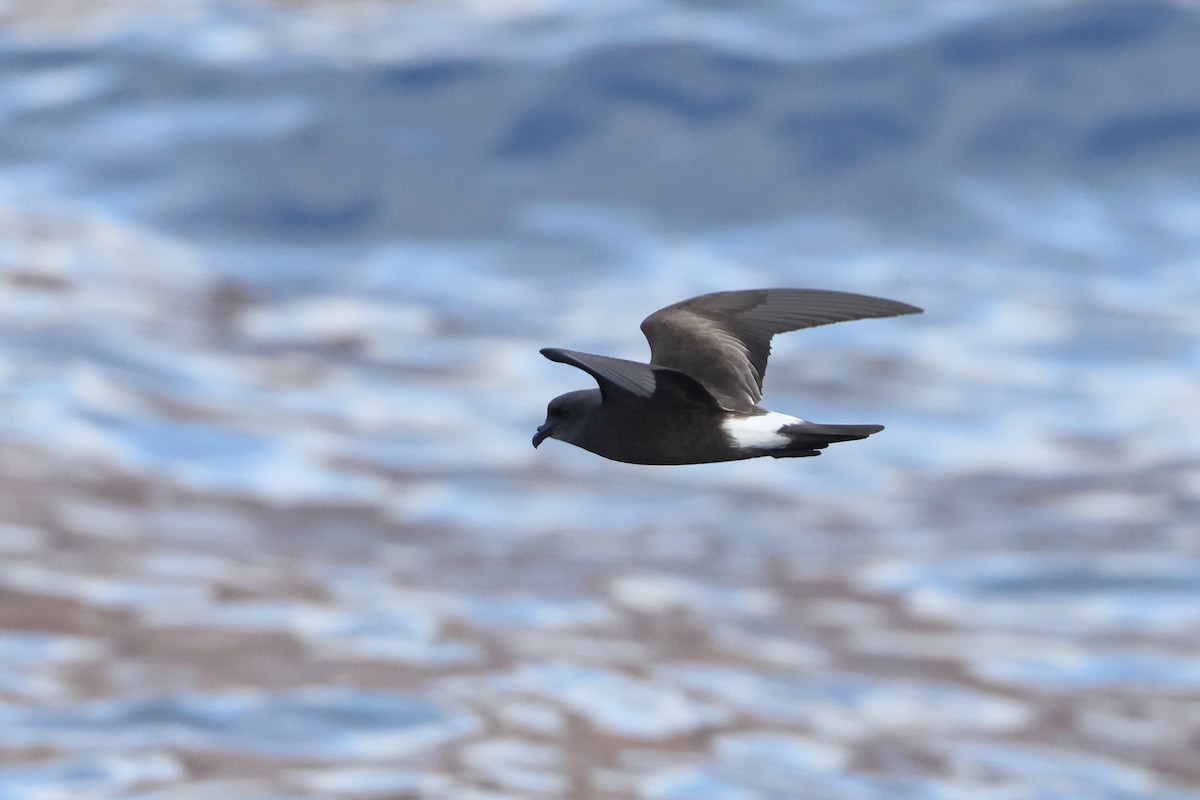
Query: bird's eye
555, 411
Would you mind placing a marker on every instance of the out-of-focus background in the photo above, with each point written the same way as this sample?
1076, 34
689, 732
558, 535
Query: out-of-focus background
273, 277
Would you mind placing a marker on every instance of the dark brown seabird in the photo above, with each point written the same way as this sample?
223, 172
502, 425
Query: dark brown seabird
696, 402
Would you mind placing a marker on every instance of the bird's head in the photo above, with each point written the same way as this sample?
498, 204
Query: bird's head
566, 416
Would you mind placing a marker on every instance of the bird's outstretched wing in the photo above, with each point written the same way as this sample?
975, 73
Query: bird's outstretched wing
723, 339
622, 380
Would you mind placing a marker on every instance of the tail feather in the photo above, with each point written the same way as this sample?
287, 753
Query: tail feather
809, 438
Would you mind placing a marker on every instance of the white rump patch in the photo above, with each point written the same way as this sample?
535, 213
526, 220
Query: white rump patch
760, 431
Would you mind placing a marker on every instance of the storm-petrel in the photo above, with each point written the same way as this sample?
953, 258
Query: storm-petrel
696, 402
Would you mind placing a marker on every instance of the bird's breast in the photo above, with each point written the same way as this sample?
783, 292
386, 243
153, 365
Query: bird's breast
644, 435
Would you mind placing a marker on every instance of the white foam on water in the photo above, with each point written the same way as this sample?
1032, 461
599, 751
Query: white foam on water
518, 765
1079, 670
846, 706
657, 593
371, 781
612, 701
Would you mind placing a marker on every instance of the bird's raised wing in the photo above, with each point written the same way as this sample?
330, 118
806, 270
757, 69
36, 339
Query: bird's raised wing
622, 380
723, 339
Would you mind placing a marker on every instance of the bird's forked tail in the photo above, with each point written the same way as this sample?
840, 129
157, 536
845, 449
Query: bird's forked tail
809, 438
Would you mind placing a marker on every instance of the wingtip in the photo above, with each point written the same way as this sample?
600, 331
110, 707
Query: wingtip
895, 308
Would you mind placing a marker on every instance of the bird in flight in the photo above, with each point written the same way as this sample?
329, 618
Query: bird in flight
696, 402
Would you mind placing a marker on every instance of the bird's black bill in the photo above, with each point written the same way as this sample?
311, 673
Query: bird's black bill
542, 434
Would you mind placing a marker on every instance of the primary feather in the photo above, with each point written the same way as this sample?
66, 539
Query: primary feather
723, 339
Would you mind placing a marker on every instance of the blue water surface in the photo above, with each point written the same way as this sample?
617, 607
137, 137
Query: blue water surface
273, 280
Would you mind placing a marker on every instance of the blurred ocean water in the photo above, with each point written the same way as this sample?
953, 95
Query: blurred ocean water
272, 285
